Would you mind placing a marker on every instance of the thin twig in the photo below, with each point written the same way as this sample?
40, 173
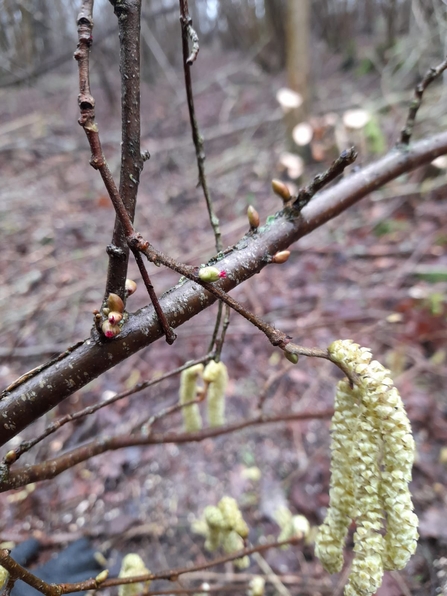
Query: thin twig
174, 574
336, 168
432, 74
27, 445
16, 571
131, 155
167, 329
188, 59
15, 478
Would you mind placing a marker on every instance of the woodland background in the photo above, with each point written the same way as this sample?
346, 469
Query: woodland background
377, 274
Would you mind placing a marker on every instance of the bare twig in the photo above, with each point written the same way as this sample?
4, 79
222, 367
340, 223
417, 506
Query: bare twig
53, 467
336, 168
123, 200
432, 74
188, 59
16, 571
167, 329
57, 424
186, 21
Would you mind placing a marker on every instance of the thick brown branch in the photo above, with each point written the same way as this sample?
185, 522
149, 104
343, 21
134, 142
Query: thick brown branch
53, 467
44, 390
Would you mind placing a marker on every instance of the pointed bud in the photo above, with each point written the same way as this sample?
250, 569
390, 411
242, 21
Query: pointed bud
115, 317
131, 287
293, 358
211, 274
115, 303
281, 256
280, 189
253, 217
110, 330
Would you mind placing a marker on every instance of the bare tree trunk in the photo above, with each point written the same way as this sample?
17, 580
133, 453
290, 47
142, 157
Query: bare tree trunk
297, 49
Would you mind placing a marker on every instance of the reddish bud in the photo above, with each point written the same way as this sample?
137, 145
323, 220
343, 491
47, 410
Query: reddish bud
110, 330
115, 317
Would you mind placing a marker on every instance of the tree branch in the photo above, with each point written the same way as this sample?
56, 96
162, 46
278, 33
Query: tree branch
42, 391
53, 467
128, 14
432, 74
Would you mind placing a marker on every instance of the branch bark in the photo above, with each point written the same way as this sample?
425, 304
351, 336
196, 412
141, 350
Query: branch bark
49, 469
27, 401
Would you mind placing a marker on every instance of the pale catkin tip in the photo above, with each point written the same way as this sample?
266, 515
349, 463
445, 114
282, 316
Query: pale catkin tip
216, 375
192, 420
133, 566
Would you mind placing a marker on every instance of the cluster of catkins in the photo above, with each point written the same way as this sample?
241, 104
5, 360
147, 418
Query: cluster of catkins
215, 377
133, 566
226, 528
372, 456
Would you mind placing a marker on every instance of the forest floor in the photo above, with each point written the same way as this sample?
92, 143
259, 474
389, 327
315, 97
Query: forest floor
376, 274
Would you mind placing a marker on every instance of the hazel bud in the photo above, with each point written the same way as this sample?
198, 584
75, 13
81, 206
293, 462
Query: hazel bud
102, 576
131, 287
211, 274
253, 217
281, 256
10, 457
280, 189
293, 358
115, 317
115, 303
110, 330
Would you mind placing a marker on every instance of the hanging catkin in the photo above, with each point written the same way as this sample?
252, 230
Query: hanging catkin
192, 420
372, 456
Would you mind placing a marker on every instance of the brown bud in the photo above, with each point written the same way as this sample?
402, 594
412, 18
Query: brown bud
131, 287
114, 317
281, 256
280, 189
10, 457
291, 357
115, 303
110, 330
253, 217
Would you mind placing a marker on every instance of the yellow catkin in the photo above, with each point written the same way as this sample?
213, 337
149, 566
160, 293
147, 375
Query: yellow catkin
332, 534
256, 586
132, 566
216, 375
226, 528
216, 527
292, 526
192, 420
373, 450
